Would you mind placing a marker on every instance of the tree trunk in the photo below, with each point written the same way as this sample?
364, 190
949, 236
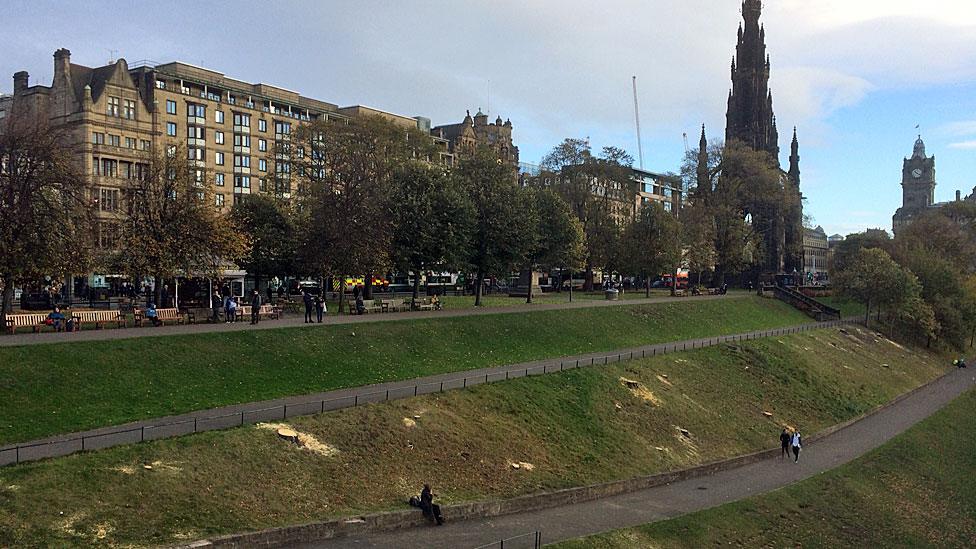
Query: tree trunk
588, 278
416, 283
528, 293
368, 288
157, 291
8, 300
477, 288
674, 282
647, 286
867, 312
342, 296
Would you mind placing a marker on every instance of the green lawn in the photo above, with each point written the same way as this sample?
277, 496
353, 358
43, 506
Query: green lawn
916, 491
575, 428
50, 389
847, 307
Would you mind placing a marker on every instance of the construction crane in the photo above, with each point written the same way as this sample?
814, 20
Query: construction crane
685, 136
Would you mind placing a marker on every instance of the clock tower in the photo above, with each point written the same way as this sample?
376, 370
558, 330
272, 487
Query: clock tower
918, 185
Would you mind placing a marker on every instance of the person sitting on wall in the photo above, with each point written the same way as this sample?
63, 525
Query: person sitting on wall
431, 510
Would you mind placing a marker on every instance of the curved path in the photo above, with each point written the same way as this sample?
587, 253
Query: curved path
296, 320
661, 502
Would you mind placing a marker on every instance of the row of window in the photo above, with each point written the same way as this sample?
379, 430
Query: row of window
109, 167
241, 120
121, 109
99, 138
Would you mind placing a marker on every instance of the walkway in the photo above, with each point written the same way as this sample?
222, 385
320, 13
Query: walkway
662, 502
294, 320
282, 408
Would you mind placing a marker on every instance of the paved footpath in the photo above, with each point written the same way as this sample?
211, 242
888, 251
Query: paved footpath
683, 497
296, 320
283, 408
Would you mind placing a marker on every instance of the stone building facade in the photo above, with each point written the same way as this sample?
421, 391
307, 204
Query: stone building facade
815, 256
473, 132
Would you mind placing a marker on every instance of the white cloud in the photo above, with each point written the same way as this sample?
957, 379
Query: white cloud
963, 145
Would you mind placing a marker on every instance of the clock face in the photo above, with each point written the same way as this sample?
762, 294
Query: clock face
917, 173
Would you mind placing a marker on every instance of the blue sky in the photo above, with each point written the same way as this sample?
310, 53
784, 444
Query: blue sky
856, 77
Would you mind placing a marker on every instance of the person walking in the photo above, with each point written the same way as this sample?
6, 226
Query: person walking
797, 444
255, 306
215, 306
784, 442
319, 307
309, 304
231, 312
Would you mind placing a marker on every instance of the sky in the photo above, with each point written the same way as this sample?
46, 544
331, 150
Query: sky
854, 76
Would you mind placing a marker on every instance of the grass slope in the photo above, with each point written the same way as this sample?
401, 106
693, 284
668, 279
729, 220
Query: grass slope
59, 388
916, 491
577, 427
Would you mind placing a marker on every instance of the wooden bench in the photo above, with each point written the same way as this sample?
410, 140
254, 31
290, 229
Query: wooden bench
267, 311
388, 305
370, 306
98, 318
164, 316
423, 304
34, 321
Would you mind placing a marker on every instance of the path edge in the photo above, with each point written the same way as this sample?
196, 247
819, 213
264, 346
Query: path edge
410, 518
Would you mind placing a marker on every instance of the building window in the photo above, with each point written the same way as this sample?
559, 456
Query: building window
242, 161
282, 129
262, 125
219, 200
108, 200
263, 165
262, 145
114, 140
262, 185
219, 138
171, 129
170, 106
130, 142
242, 181
241, 119
98, 138
146, 144
219, 158
219, 117
171, 149
113, 106
196, 110
194, 132
130, 109
219, 178
242, 140
194, 153
110, 168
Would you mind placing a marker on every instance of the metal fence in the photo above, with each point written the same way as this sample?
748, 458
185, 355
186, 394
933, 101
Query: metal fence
114, 437
524, 541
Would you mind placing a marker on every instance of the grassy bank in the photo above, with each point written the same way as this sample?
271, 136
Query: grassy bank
59, 388
573, 428
916, 491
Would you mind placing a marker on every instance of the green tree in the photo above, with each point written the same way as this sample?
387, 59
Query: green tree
431, 217
270, 225
45, 217
874, 279
173, 226
598, 189
652, 243
698, 238
558, 234
344, 168
503, 232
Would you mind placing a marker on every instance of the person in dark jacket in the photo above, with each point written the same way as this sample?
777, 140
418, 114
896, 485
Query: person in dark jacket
255, 306
430, 509
797, 444
309, 304
319, 307
784, 442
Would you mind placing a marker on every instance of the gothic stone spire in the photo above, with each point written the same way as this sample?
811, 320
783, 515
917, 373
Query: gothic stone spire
750, 116
795, 160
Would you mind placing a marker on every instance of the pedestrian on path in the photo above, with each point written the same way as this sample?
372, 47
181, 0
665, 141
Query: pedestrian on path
319, 307
796, 443
309, 303
215, 306
784, 442
231, 313
255, 307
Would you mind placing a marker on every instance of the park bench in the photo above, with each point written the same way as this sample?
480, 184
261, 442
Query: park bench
371, 306
423, 304
267, 311
98, 318
389, 305
680, 293
35, 321
164, 316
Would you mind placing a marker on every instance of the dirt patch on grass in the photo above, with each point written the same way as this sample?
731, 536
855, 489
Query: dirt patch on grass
640, 391
305, 440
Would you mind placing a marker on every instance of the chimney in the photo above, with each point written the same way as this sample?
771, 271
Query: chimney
20, 81
62, 60
958, 196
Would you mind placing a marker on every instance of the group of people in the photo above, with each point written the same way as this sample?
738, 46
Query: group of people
959, 363
231, 304
790, 439
313, 304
